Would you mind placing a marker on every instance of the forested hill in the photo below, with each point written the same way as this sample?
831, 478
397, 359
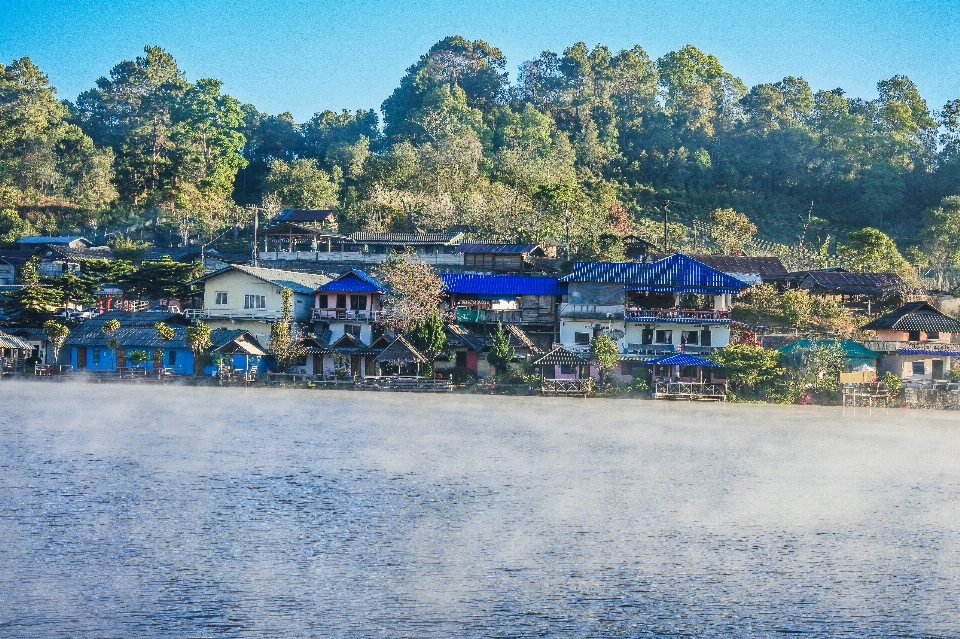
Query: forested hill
585, 144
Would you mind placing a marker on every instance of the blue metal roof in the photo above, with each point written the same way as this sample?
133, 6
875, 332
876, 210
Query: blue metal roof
353, 281
56, 239
681, 359
675, 273
917, 351
497, 248
676, 320
473, 284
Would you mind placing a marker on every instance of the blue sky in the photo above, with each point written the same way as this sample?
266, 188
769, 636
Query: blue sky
303, 57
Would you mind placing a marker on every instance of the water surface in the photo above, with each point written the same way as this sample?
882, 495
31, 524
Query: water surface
191, 512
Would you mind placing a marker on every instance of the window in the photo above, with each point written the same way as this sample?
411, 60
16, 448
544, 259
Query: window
933, 335
566, 369
358, 302
705, 337
341, 301
321, 301
581, 338
664, 337
254, 301
647, 336
96, 355
172, 358
913, 336
221, 298
689, 337
918, 368
352, 329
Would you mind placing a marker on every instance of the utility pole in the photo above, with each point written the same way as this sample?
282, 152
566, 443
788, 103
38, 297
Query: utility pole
256, 227
664, 205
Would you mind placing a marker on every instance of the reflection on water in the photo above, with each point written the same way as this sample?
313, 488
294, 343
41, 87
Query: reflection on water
206, 512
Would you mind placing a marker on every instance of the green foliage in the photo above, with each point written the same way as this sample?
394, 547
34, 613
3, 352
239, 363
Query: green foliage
818, 367
284, 342
139, 358
164, 331
302, 184
500, 352
639, 385
893, 382
198, 337
127, 249
13, 227
429, 336
110, 326
31, 306
604, 352
796, 307
57, 334
872, 251
748, 365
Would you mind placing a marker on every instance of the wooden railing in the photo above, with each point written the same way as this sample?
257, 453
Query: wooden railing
576, 387
410, 384
889, 346
345, 314
488, 315
689, 390
674, 313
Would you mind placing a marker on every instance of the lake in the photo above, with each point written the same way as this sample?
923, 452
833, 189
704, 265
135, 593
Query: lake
137, 511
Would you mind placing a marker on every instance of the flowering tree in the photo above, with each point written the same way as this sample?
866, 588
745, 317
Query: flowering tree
415, 292
57, 334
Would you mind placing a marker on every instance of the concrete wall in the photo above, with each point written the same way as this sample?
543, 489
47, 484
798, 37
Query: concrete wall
238, 284
183, 360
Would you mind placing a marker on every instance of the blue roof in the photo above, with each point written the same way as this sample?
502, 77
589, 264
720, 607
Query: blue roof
675, 273
58, 239
473, 284
353, 281
681, 359
917, 351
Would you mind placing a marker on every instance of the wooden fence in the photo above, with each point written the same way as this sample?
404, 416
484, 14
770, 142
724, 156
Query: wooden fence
574, 387
408, 384
690, 391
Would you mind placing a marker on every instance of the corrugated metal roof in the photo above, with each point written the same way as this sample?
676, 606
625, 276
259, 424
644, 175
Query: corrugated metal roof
353, 281
676, 273
294, 280
764, 266
127, 337
498, 248
560, 357
916, 351
855, 283
681, 359
405, 238
402, 351
303, 215
915, 316
57, 239
12, 341
510, 285
851, 348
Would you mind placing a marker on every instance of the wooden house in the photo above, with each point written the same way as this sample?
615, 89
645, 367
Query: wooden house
390, 243
88, 347
499, 258
14, 352
917, 341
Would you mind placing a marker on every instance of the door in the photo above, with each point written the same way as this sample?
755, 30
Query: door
938, 369
82, 358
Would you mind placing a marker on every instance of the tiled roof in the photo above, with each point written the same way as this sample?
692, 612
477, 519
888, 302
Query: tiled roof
353, 281
915, 316
297, 282
855, 283
560, 357
179, 253
473, 284
90, 253
405, 238
497, 248
681, 359
677, 273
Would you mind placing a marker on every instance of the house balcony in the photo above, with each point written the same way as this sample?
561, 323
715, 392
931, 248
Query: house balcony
465, 314
885, 346
591, 311
346, 315
241, 314
667, 314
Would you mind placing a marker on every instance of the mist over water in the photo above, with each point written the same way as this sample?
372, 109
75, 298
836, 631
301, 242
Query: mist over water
196, 512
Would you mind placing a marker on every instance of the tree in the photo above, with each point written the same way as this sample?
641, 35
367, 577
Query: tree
138, 358
57, 334
942, 238
604, 352
109, 328
748, 365
429, 337
500, 353
302, 184
872, 251
284, 340
164, 331
730, 231
796, 306
31, 306
13, 227
414, 293
198, 338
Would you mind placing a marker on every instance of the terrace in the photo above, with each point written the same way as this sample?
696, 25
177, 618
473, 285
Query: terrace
346, 314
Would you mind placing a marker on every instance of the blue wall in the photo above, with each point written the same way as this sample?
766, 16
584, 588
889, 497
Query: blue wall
182, 365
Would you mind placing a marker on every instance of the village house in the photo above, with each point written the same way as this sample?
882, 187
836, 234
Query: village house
88, 347
675, 304
250, 298
347, 304
63, 254
8, 270
500, 258
862, 292
481, 301
917, 341
752, 270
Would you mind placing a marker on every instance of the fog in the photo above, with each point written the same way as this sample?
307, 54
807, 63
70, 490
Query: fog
179, 511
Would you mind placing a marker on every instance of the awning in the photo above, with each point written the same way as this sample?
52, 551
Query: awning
704, 290
914, 351
681, 359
